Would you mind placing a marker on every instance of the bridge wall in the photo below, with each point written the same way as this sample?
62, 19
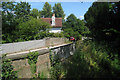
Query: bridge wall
29, 45
20, 62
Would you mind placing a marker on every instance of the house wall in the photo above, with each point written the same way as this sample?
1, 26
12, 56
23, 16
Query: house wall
55, 30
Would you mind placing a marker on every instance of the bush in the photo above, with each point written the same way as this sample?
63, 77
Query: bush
32, 29
7, 70
32, 60
70, 33
56, 66
55, 34
91, 62
58, 35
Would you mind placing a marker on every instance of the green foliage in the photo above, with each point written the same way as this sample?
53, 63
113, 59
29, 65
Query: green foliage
69, 32
33, 29
56, 71
58, 35
57, 9
22, 9
90, 61
32, 57
20, 24
33, 68
12, 15
99, 21
103, 21
41, 76
8, 20
56, 67
32, 60
55, 34
7, 70
75, 27
35, 13
47, 10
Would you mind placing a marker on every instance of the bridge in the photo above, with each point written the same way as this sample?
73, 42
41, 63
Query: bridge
45, 48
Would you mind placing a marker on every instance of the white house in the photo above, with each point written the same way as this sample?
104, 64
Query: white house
56, 24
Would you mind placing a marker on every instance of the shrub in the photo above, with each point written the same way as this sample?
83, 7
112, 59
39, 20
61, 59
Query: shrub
32, 60
56, 67
7, 70
91, 62
58, 35
32, 29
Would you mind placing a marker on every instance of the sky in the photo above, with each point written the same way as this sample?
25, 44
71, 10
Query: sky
76, 8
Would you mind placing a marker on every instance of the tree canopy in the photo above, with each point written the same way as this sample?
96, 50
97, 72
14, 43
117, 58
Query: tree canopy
22, 9
58, 10
47, 10
35, 13
18, 23
103, 22
33, 29
75, 27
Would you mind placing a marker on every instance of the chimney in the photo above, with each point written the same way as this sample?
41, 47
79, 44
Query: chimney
37, 17
53, 20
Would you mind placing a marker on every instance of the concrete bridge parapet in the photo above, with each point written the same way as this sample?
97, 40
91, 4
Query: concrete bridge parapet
20, 62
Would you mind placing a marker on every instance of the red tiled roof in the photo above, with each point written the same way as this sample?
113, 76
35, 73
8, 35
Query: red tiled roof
58, 21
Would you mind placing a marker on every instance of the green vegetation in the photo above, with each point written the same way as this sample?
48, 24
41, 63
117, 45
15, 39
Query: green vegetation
75, 27
7, 70
55, 34
47, 10
58, 10
33, 29
35, 13
103, 21
32, 60
98, 58
92, 61
56, 66
21, 24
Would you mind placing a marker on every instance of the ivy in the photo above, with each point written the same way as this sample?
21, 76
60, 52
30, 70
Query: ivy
7, 71
32, 60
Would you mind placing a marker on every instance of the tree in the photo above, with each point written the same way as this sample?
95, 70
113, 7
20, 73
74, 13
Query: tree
58, 10
35, 13
22, 9
97, 19
7, 16
70, 22
8, 21
75, 27
47, 10
10, 15
103, 21
33, 29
